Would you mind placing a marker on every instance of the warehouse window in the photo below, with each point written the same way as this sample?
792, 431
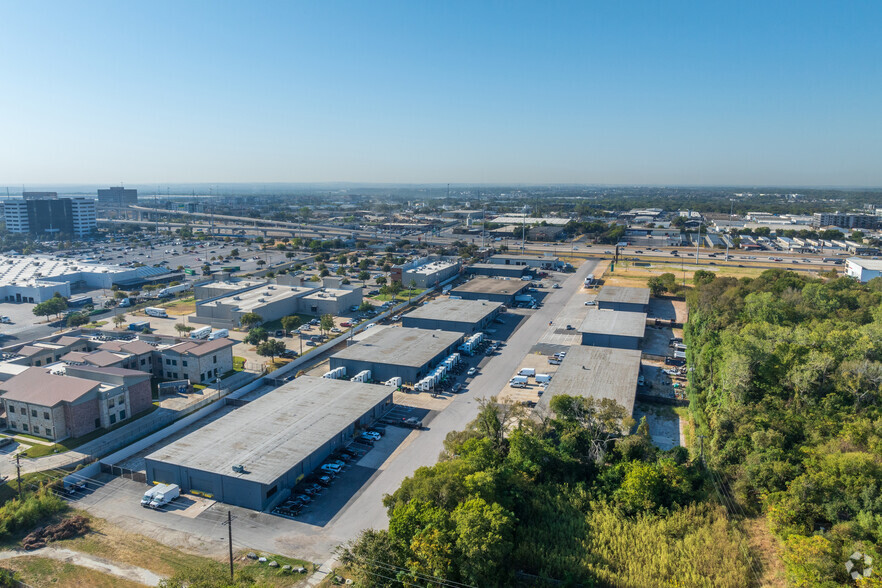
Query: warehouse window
34, 412
23, 410
36, 429
214, 358
24, 427
122, 415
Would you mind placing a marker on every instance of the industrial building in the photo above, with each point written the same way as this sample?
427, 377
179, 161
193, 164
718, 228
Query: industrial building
533, 261
426, 272
862, 269
51, 218
623, 298
450, 314
290, 295
502, 291
496, 270
35, 278
60, 401
117, 196
597, 372
224, 286
397, 352
613, 328
270, 443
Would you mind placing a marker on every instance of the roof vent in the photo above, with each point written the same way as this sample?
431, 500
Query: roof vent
239, 468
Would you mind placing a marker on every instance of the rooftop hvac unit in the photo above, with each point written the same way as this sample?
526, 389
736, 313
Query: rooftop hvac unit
239, 468
237, 298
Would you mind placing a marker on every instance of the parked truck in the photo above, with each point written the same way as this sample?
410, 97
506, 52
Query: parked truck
218, 334
148, 496
172, 290
527, 372
165, 494
201, 333
157, 312
139, 326
540, 378
524, 298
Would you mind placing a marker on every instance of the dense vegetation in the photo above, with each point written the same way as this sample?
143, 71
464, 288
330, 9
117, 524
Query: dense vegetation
528, 501
786, 385
21, 515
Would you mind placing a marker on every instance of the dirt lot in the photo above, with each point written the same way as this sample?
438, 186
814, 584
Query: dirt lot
531, 393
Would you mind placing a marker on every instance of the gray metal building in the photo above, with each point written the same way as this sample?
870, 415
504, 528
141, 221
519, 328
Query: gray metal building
397, 352
502, 291
623, 298
497, 270
450, 314
276, 439
597, 372
533, 261
613, 328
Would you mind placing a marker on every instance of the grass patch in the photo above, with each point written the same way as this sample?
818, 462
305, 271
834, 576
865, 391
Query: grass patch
11, 433
181, 306
68, 444
29, 485
276, 364
95, 325
275, 576
238, 363
199, 386
42, 571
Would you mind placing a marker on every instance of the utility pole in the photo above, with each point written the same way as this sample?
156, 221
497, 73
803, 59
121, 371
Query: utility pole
18, 473
230, 534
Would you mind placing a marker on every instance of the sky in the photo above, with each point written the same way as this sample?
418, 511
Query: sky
590, 92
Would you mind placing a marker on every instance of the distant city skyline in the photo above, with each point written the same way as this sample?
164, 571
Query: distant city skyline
499, 93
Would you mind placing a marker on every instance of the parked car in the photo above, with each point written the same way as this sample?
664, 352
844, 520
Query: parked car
590, 303
472, 371
331, 468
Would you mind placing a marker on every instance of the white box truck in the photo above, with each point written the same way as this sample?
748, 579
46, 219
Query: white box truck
540, 378
157, 312
165, 494
218, 334
518, 382
523, 298
202, 333
527, 372
148, 496
172, 290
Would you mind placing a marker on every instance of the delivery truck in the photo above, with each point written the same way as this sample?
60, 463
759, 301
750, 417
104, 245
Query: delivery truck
148, 496
527, 372
157, 312
172, 290
164, 494
201, 333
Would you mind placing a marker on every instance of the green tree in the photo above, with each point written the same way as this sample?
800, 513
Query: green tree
363, 276
326, 322
119, 320
77, 319
291, 323
182, 328
271, 348
484, 536
256, 336
250, 319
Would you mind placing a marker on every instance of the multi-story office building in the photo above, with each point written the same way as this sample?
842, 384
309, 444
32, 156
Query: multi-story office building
846, 221
117, 196
39, 195
51, 217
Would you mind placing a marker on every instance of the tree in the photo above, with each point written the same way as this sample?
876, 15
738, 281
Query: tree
271, 348
291, 323
256, 336
365, 306
363, 276
381, 280
250, 319
77, 319
234, 253
326, 322
261, 262
119, 320
181, 328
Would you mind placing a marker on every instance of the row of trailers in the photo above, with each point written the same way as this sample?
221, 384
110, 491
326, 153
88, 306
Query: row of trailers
363, 376
438, 375
470, 345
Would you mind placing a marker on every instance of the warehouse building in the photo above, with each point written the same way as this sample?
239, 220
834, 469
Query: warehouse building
502, 291
408, 354
224, 286
863, 270
613, 328
450, 314
496, 270
597, 372
269, 443
426, 272
623, 299
533, 261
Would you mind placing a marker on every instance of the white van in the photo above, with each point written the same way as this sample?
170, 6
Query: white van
540, 378
527, 372
518, 382
218, 334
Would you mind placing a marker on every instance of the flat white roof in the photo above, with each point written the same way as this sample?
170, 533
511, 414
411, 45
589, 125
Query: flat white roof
867, 264
24, 270
274, 433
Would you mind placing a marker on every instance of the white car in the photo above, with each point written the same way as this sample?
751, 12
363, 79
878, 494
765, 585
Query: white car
331, 468
590, 303
472, 371
372, 435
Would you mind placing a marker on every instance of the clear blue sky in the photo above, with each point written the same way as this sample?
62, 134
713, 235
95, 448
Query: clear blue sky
666, 92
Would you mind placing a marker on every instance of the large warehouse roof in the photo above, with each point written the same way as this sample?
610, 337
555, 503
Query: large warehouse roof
24, 270
401, 346
491, 286
614, 322
451, 309
597, 372
623, 294
272, 434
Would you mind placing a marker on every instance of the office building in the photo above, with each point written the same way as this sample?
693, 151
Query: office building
117, 196
52, 218
844, 220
